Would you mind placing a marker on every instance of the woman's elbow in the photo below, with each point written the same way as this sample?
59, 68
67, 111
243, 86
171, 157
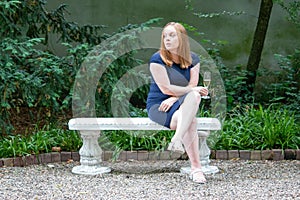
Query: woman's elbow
166, 91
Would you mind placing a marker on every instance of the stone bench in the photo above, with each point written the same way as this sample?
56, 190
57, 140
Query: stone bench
91, 153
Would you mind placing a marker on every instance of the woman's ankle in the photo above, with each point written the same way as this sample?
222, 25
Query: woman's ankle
197, 166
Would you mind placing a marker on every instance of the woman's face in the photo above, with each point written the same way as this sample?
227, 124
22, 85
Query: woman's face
171, 41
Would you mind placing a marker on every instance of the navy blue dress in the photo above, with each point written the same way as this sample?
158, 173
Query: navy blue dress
177, 76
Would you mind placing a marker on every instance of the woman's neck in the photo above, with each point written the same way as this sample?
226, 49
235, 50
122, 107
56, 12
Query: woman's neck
175, 58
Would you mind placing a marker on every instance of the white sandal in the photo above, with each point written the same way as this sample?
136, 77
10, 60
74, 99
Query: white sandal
197, 176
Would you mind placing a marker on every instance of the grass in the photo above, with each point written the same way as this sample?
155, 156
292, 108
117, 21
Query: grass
258, 128
41, 141
140, 140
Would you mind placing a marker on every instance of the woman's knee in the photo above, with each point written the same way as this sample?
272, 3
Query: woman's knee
173, 124
195, 96
193, 125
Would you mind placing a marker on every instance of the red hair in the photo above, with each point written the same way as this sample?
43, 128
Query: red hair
183, 52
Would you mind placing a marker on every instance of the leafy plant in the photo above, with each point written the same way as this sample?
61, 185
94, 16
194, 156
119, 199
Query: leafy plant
30, 76
234, 78
33, 78
293, 9
41, 141
140, 140
30, 18
285, 89
259, 128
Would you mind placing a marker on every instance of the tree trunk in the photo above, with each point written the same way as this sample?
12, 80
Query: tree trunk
258, 42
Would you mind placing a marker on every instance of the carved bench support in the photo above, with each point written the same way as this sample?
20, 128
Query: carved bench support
90, 155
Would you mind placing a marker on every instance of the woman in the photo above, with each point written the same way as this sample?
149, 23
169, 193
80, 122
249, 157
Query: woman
174, 96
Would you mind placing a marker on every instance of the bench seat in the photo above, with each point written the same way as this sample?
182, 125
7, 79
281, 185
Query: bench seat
133, 124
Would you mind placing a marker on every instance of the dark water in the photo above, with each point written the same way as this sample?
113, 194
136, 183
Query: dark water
237, 31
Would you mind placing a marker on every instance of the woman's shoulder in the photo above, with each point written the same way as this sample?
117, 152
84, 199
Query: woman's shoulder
156, 58
195, 58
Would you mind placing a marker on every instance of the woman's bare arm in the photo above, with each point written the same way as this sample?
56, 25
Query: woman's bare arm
161, 78
194, 76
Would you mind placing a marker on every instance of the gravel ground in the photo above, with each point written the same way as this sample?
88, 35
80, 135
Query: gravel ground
154, 180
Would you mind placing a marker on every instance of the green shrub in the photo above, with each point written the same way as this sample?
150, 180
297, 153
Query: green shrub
40, 142
139, 140
33, 77
30, 19
259, 128
285, 89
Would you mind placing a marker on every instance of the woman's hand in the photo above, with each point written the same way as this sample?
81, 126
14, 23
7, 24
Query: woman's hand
167, 104
203, 91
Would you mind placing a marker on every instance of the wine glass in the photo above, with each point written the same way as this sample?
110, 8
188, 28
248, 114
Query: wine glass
206, 81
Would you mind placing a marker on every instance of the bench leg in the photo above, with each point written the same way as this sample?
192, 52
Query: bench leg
204, 152
90, 155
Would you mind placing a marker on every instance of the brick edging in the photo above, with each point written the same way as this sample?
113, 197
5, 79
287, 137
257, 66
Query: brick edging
275, 154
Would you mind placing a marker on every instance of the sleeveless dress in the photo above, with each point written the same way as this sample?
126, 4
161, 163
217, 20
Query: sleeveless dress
177, 76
